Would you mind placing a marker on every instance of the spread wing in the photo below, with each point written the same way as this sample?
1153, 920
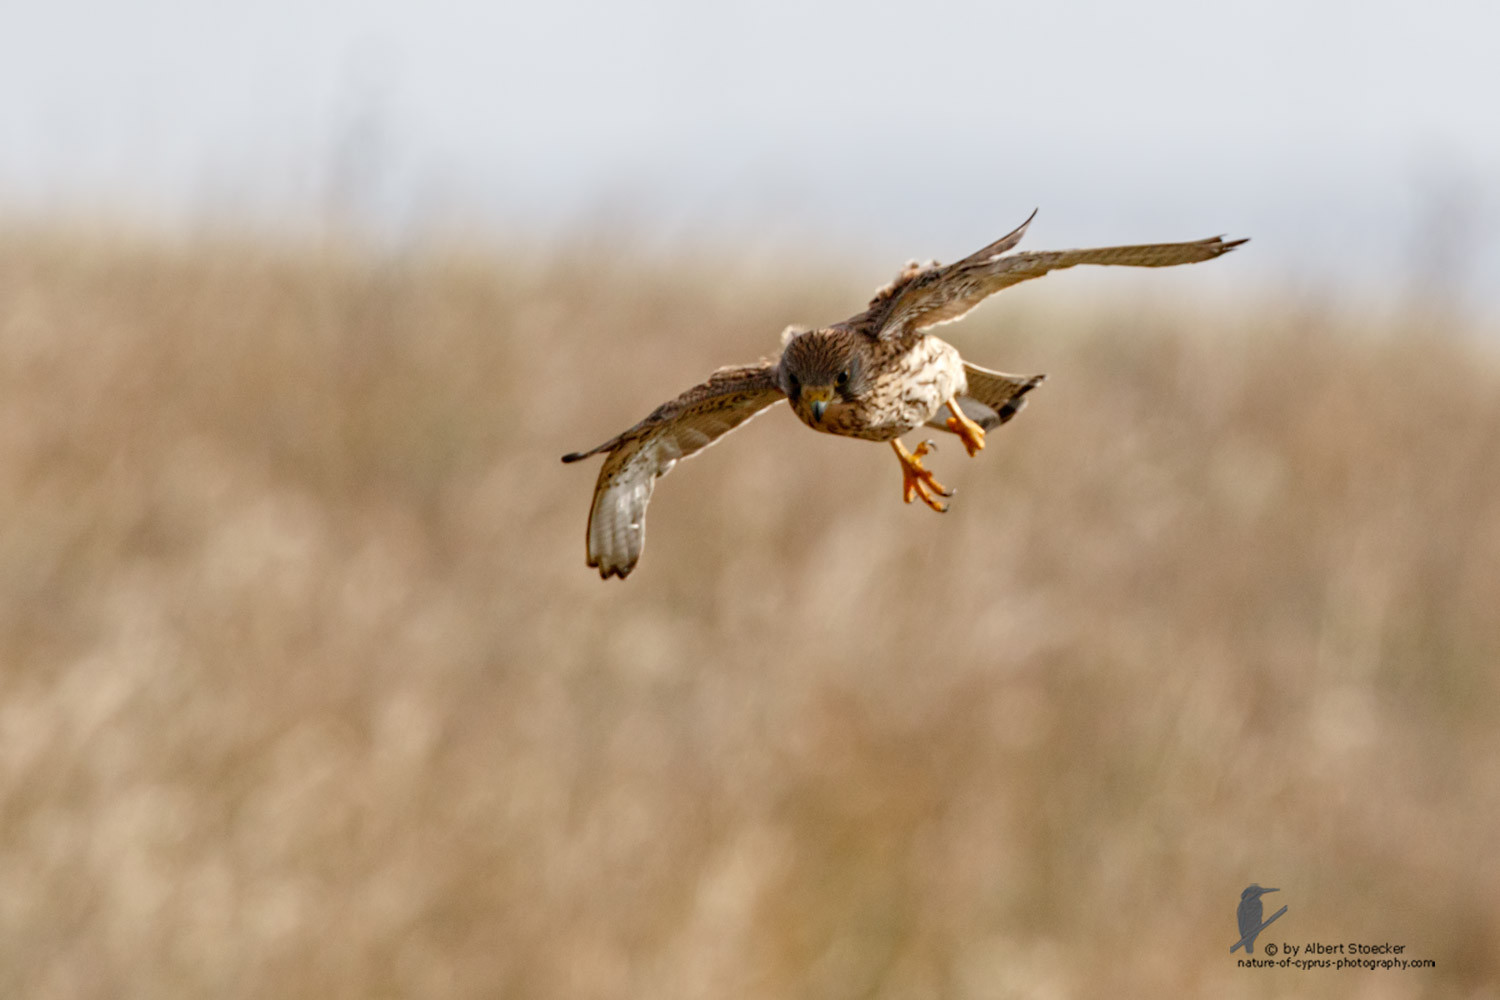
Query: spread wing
676, 429
921, 297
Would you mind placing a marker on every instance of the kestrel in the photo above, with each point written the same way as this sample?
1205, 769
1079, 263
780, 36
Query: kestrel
876, 375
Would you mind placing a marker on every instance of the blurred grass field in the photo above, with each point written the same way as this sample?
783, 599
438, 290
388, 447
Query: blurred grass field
307, 692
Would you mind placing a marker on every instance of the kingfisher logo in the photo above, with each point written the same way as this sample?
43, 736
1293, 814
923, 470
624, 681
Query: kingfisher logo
1302, 956
1249, 916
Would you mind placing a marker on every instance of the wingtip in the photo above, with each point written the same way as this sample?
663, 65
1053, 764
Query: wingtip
1007, 242
608, 570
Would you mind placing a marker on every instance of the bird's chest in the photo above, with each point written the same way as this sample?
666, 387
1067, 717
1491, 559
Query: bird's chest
908, 384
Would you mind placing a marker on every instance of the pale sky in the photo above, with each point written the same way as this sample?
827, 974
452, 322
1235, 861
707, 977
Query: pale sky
1344, 137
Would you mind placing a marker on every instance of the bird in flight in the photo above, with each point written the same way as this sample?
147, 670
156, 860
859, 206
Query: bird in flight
876, 376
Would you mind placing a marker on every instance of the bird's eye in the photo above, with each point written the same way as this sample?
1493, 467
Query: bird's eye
842, 380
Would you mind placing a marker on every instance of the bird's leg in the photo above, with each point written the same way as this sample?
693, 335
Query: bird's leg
970, 433
917, 481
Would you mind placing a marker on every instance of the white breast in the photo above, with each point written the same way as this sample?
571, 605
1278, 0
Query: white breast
914, 383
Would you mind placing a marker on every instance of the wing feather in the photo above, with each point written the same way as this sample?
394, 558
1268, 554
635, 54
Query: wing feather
923, 298
638, 457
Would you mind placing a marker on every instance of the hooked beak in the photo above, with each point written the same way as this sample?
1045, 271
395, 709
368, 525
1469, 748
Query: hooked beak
818, 400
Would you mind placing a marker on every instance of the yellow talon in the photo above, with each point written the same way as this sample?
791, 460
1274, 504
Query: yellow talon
917, 481
970, 433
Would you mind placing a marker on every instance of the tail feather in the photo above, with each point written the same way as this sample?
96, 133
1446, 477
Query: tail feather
1003, 394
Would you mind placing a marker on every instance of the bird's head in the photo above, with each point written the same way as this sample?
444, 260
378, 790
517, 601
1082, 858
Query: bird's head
1255, 892
819, 369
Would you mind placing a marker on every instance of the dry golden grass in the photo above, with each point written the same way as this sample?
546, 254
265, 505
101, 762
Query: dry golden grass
308, 693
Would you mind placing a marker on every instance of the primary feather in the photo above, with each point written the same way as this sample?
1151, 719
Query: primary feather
638, 457
924, 296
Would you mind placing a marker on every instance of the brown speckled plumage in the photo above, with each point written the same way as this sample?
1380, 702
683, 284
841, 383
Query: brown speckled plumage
904, 382
875, 376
